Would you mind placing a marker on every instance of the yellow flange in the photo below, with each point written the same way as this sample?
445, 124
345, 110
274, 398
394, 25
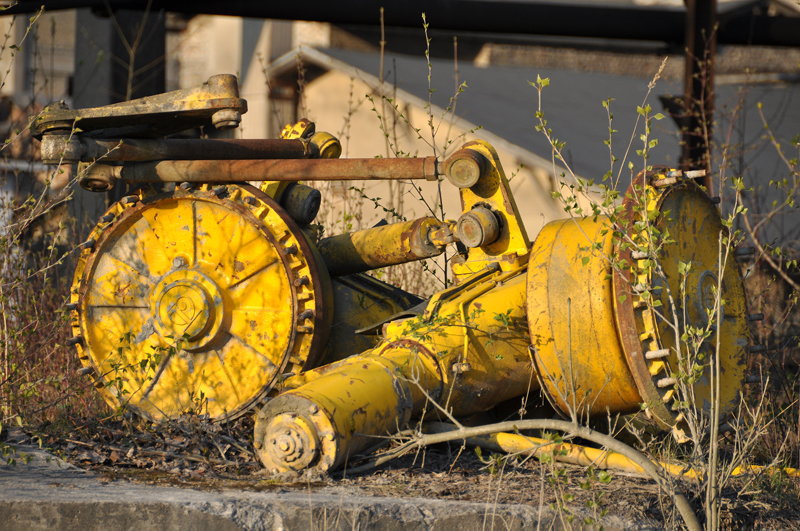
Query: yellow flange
198, 299
602, 338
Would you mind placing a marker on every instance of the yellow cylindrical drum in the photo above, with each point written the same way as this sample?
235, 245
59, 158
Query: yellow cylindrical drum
609, 302
571, 317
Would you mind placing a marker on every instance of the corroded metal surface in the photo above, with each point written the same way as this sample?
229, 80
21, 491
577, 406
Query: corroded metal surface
191, 301
215, 102
469, 350
60, 149
381, 246
692, 220
459, 353
602, 339
231, 171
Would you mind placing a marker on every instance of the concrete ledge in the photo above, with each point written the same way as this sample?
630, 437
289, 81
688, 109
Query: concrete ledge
58, 496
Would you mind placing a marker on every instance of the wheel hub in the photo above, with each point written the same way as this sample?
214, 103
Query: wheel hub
188, 305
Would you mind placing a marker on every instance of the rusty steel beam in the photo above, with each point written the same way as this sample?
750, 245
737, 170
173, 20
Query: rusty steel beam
701, 49
651, 23
100, 176
59, 149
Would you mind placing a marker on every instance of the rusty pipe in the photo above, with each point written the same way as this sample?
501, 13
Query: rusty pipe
234, 171
61, 149
382, 246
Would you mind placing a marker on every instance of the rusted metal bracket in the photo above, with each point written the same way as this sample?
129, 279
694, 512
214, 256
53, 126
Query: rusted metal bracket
216, 102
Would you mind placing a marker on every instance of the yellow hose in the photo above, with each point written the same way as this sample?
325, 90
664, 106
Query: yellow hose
576, 454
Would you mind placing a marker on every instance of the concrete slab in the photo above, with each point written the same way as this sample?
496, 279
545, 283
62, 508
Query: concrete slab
54, 495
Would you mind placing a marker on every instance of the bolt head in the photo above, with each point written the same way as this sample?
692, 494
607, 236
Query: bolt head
313, 409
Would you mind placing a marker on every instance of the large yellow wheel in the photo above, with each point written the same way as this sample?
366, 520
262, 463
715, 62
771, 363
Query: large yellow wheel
198, 300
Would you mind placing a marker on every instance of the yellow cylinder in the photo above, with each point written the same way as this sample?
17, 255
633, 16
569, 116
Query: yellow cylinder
381, 246
468, 352
571, 317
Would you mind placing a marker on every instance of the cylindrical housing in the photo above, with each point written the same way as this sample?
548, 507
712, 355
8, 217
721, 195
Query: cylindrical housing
478, 227
463, 354
571, 316
363, 394
301, 202
378, 247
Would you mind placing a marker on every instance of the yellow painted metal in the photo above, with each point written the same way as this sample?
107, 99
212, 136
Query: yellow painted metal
571, 318
600, 343
515, 444
469, 351
382, 246
492, 191
695, 228
191, 301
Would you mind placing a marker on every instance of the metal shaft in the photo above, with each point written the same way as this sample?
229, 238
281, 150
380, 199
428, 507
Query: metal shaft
231, 171
58, 148
378, 247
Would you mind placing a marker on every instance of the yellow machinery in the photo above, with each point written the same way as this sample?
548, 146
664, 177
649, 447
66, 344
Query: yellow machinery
214, 295
553, 315
204, 297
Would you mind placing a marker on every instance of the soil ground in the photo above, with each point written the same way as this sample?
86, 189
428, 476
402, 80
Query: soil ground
201, 456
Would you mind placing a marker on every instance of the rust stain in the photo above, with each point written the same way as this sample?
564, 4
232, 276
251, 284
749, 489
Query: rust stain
124, 292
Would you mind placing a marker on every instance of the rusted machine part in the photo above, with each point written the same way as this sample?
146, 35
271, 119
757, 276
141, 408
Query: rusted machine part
490, 192
478, 227
301, 202
464, 168
458, 354
215, 102
61, 149
198, 299
601, 345
233, 171
377, 247
316, 425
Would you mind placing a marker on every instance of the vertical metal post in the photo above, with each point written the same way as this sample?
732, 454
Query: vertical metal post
701, 48
104, 76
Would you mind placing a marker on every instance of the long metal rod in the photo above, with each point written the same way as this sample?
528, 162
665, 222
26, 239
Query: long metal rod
229, 171
57, 149
191, 149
